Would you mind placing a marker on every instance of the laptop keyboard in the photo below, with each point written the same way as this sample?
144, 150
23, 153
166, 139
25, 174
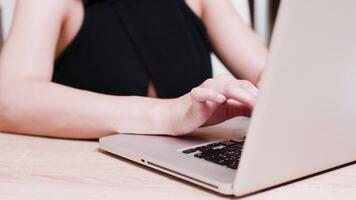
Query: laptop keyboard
225, 153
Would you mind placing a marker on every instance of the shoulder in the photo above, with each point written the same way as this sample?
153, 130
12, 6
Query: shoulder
202, 6
40, 20
196, 6
43, 14
40, 8
47, 3
211, 4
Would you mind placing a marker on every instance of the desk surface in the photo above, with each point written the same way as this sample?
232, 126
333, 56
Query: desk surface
43, 168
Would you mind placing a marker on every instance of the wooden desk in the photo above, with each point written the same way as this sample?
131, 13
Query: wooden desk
44, 168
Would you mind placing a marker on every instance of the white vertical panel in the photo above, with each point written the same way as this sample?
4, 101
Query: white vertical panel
261, 19
243, 7
7, 8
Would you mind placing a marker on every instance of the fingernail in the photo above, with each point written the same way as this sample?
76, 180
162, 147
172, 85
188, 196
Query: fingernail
221, 98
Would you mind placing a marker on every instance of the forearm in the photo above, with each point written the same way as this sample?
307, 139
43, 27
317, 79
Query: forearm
234, 41
50, 109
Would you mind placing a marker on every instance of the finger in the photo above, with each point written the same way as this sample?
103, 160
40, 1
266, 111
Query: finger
236, 92
239, 90
236, 109
249, 87
205, 94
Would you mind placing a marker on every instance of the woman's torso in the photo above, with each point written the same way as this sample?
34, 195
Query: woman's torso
134, 47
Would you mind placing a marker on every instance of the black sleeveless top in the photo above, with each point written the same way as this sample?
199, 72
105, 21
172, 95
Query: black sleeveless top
123, 44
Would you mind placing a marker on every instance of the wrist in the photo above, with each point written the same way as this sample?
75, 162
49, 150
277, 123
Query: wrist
144, 116
164, 117
177, 115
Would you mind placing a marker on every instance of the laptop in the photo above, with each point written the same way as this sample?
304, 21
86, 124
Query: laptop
303, 122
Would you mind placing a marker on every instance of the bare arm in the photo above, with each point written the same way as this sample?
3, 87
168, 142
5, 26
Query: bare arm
233, 40
31, 103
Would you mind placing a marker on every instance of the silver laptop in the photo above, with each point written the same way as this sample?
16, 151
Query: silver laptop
304, 121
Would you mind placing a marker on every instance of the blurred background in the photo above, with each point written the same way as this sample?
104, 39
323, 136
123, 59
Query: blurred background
259, 13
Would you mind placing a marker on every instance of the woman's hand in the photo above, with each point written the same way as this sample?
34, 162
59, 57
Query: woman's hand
213, 102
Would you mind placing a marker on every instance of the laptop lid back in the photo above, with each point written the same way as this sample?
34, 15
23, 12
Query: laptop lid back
305, 118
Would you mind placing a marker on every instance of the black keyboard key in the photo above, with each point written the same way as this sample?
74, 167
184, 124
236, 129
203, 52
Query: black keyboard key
198, 155
213, 145
221, 162
227, 143
211, 158
233, 165
202, 148
188, 151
